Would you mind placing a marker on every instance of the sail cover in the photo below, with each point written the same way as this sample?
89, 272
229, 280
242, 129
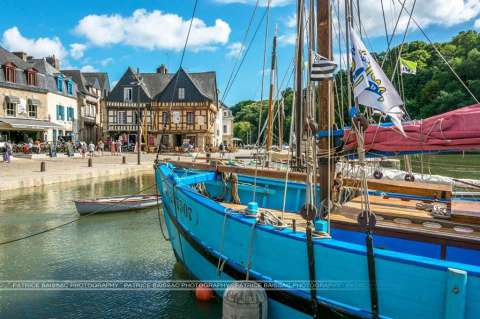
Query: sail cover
454, 130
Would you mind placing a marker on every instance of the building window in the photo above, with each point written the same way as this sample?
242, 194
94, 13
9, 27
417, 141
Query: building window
224, 129
112, 116
70, 114
127, 94
9, 70
69, 87
181, 93
60, 113
122, 117
190, 118
59, 83
165, 118
11, 109
32, 110
31, 77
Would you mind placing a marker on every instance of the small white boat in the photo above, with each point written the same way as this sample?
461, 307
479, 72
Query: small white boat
116, 204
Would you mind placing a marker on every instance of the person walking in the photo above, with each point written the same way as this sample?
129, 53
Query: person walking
91, 149
119, 147
8, 152
83, 148
101, 147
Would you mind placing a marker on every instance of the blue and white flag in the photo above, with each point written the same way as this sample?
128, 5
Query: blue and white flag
371, 86
322, 68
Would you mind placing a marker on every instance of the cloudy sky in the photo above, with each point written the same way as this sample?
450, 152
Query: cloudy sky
110, 35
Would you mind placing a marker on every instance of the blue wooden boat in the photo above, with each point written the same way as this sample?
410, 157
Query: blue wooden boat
217, 240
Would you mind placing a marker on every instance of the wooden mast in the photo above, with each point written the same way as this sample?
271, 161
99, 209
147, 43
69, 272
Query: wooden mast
326, 166
270, 98
298, 87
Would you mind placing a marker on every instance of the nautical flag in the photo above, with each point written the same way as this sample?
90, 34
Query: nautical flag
371, 86
322, 68
408, 67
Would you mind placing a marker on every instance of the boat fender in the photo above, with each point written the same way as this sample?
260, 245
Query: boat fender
245, 299
378, 174
204, 292
410, 178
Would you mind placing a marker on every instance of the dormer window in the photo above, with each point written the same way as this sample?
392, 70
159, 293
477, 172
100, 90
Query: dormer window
69, 87
127, 94
9, 70
181, 93
31, 77
59, 83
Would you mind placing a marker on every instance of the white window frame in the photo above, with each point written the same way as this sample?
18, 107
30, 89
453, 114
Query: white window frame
35, 110
181, 93
122, 117
127, 94
190, 118
14, 109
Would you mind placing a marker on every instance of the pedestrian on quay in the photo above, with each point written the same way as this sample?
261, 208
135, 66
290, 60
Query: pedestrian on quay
113, 147
8, 152
83, 148
91, 149
119, 147
101, 147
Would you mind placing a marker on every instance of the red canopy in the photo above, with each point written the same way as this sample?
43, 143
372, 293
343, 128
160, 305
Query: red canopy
454, 130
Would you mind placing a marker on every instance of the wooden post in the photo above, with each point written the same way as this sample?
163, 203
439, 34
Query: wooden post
42, 166
124, 159
270, 99
90, 162
325, 98
298, 86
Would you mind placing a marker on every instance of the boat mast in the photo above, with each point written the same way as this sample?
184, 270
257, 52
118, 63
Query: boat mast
298, 87
326, 167
270, 99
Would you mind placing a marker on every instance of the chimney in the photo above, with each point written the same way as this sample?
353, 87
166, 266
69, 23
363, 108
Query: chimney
21, 55
162, 69
53, 61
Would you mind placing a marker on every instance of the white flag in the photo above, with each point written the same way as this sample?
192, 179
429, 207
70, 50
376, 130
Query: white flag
370, 84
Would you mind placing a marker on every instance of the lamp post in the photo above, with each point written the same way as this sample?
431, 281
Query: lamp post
138, 82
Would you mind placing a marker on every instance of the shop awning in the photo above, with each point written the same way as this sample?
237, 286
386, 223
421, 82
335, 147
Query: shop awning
33, 102
12, 99
25, 124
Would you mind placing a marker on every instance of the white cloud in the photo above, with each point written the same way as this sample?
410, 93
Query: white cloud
152, 30
287, 39
291, 21
88, 68
263, 3
77, 50
106, 61
13, 40
235, 50
427, 13
476, 25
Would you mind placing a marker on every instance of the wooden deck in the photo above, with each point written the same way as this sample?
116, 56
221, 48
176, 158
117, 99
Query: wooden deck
392, 214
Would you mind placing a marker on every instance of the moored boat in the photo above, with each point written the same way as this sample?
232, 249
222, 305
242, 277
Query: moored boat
116, 204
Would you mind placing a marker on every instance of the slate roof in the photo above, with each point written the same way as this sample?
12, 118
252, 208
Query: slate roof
45, 77
200, 86
78, 77
102, 78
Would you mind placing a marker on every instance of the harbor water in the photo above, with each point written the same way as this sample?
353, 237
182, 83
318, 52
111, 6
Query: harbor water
115, 247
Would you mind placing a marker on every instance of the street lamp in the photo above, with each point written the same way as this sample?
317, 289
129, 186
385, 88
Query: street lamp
138, 82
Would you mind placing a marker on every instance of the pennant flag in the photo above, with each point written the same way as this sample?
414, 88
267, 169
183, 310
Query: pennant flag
408, 67
371, 86
322, 68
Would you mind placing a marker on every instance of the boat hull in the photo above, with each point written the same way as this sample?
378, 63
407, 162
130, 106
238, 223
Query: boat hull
115, 204
409, 286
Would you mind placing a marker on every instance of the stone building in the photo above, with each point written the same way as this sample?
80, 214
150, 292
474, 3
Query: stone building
92, 88
29, 97
176, 108
227, 125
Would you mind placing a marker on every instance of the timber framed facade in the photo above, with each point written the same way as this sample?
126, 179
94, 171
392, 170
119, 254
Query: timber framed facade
175, 109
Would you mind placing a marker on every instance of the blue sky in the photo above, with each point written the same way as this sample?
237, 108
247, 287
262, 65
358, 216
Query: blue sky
112, 35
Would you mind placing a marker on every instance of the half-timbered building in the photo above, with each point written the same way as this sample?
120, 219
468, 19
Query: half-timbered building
175, 108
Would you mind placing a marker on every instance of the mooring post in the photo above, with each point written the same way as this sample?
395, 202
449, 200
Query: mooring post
294, 225
90, 164
124, 159
42, 166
